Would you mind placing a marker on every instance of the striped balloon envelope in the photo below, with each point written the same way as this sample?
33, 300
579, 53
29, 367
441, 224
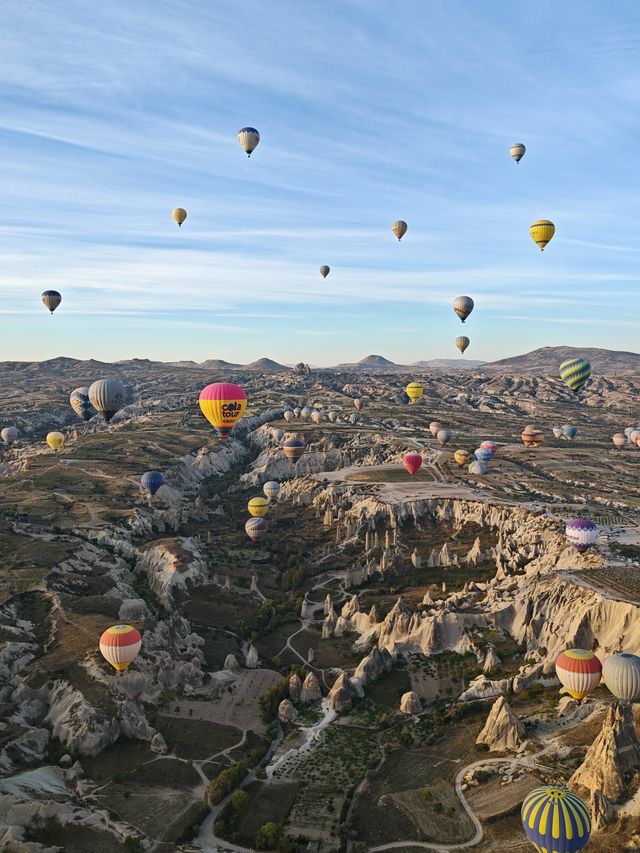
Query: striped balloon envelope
294, 448
489, 445
462, 457
532, 436
542, 231
621, 674
248, 137
120, 645
463, 306
581, 532
574, 373
556, 820
579, 671
271, 489
223, 404
258, 507
517, 151
256, 528
81, 404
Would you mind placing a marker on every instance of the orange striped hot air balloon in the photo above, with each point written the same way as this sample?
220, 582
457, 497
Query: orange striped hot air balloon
579, 671
223, 404
120, 645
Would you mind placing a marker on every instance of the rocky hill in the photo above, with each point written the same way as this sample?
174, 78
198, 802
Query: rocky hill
548, 359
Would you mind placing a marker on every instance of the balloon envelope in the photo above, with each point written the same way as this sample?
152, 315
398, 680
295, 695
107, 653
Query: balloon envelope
483, 454
517, 151
333, 417
120, 645
414, 391
581, 532
151, 481
55, 440
478, 468
359, 404
621, 674
434, 426
579, 671
463, 306
294, 448
278, 434
555, 820
288, 416
271, 489
532, 436
620, 440
462, 342
489, 445
575, 372
107, 396
444, 436
542, 231
51, 299
9, 434
557, 431
179, 215
569, 431
256, 528
412, 462
399, 228
248, 137
355, 418
324, 270
462, 457
81, 404
258, 507
223, 404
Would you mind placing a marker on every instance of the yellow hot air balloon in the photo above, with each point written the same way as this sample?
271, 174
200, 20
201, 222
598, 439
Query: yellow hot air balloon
462, 457
120, 645
179, 215
414, 391
399, 228
55, 440
223, 404
258, 507
541, 232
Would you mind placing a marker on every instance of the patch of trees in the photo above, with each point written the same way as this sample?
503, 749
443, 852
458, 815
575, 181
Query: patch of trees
225, 782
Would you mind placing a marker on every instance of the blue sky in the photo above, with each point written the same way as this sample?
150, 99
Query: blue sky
113, 114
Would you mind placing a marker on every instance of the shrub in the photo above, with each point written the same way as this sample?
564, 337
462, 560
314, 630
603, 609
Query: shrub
267, 836
225, 782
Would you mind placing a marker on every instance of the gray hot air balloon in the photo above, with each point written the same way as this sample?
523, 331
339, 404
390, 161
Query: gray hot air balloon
399, 228
51, 299
81, 404
333, 416
478, 468
324, 270
305, 413
354, 418
248, 138
444, 436
463, 306
316, 416
621, 674
517, 151
278, 434
107, 396
9, 434
288, 415
462, 342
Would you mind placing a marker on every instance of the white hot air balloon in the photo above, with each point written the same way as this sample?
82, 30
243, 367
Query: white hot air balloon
271, 490
621, 674
288, 416
248, 138
557, 431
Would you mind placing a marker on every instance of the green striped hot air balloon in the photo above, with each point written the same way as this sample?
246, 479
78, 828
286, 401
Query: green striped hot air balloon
574, 373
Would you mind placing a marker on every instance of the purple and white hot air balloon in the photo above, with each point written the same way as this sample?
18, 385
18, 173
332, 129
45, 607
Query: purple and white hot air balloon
582, 533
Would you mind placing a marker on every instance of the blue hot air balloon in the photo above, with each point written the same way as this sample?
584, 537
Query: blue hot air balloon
483, 454
81, 404
569, 432
151, 481
555, 819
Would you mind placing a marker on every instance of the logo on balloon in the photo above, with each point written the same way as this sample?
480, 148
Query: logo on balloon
230, 410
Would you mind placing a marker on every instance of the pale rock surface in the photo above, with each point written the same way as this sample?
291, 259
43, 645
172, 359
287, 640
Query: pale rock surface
410, 703
371, 667
252, 660
602, 810
503, 731
491, 662
158, 744
231, 663
78, 725
295, 686
286, 712
341, 694
352, 606
27, 748
310, 691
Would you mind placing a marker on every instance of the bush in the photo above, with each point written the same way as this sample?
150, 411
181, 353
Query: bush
225, 782
267, 836
239, 800
427, 794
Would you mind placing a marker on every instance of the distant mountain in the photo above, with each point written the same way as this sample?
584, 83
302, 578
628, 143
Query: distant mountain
216, 364
371, 362
448, 364
547, 360
265, 364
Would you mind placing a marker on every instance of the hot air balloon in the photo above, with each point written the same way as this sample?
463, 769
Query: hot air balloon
107, 396
316, 416
151, 481
9, 434
532, 436
256, 528
478, 468
399, 228
579, 672
462, 457
412, 462
462, 342
258, 507
620, 440
324, 270
294, 448
248, 138
223, 404
633, 436
120, 645
359, 404
333, 416
489, 445
555, 820
278, 434
463, 306
296, 412
434, 426
179, 215
51, 299
517, 151
414, 391
271, 489
55, 440
288, 416
444, 436
574, 373
305, 413
582, 533
483, 454
569, 432
81, 404
557, 431
355, 418
542, 232
621, 674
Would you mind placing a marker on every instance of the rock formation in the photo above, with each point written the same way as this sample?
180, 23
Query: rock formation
491, 662
286, 712
310, 691
341, 694
252, 659
503, 731
410, 703
231, 663
295, 686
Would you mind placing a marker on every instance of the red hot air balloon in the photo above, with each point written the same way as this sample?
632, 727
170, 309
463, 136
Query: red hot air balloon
256, 528
412, 462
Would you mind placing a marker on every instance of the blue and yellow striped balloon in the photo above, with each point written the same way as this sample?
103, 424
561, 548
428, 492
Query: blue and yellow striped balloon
575, 372
555, 820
